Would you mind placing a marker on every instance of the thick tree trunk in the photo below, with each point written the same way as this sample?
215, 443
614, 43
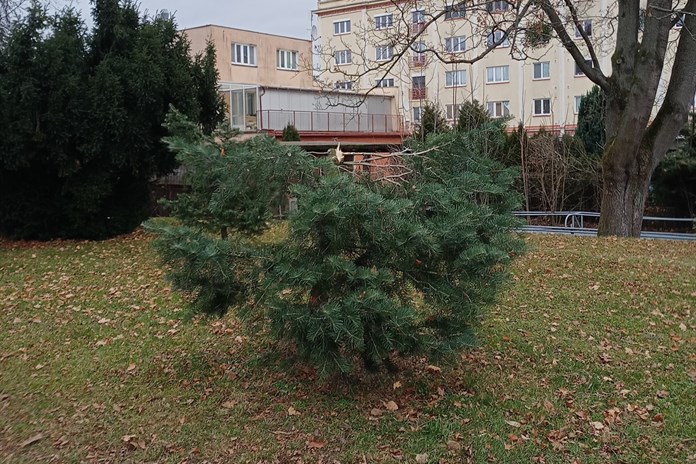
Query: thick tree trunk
623, 203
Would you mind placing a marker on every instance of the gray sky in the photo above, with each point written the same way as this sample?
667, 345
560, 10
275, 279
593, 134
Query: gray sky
283, 17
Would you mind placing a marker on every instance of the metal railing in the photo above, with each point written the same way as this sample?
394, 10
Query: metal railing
318, 121
418, 61
419, 93
574, 223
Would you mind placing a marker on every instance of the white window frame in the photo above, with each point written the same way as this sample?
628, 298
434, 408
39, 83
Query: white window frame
244, 54
417, 114
576, 108
343, 85
586, 27
417, 16
455, 11
497, 6
286, 59
452, 111
385, 82
498, 109
495, 36
342, 27
384, 21
455, 44
343, 57
543, 102
541, 66
455, 78
498, 74
384, 52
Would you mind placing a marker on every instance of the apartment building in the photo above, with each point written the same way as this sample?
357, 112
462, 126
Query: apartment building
267, 83
539, 87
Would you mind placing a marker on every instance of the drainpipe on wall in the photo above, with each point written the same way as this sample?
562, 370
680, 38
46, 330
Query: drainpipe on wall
262, 92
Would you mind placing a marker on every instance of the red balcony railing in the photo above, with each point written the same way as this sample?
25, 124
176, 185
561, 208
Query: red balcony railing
418, 61
419, 93
417, 28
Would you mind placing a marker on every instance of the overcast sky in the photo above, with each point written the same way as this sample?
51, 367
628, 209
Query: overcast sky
283, 17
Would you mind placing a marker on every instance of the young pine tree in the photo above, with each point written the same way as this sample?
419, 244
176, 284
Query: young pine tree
368, 269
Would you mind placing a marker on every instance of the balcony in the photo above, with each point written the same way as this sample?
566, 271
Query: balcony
419, 93
417, 28
320, 121
418, 61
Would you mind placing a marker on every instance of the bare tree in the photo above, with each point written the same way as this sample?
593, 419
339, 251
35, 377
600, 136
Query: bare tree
649, 89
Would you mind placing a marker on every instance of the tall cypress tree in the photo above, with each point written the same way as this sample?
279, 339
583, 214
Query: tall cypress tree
82, 119
591, 124
212, 105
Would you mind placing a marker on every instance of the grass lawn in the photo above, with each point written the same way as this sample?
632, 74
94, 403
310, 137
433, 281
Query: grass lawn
590, 357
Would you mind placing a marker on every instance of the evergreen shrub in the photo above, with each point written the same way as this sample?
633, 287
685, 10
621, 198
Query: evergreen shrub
368, 269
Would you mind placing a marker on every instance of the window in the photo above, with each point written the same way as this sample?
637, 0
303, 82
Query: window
343, 57
577, 104
384, 52
244, 54
497, 39
343, 85
586, 26
287, 59
418, 16
418, 90
541, 70
578, 71
455, 78
493, 7
418, 48
384, 21
455, 44
542, 107
498, 109
454, 11
386, 82
453, 111
496, 74
342, 27
417, 114
418, 58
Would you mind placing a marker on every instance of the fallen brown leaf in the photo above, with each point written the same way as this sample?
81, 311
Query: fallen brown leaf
391, 406
30, 441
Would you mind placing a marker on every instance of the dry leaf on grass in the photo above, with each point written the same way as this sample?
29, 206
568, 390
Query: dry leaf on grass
391, 406
30, 441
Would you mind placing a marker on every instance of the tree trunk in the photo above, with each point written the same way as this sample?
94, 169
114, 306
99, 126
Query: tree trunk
623, 202
626, 180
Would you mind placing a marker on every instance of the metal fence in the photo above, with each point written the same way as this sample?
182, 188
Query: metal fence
574, 223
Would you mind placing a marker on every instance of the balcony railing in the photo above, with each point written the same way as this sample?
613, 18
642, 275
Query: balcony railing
419, 93
417, 28
418, 61
320, 121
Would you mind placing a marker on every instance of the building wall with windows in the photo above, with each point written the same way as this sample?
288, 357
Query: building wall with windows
542, 90
247, 57
266, 82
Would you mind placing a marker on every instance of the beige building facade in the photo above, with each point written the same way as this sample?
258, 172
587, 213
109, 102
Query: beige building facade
356, 41
267, 83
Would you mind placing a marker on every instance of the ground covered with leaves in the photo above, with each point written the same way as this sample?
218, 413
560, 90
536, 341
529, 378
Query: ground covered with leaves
590, 357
